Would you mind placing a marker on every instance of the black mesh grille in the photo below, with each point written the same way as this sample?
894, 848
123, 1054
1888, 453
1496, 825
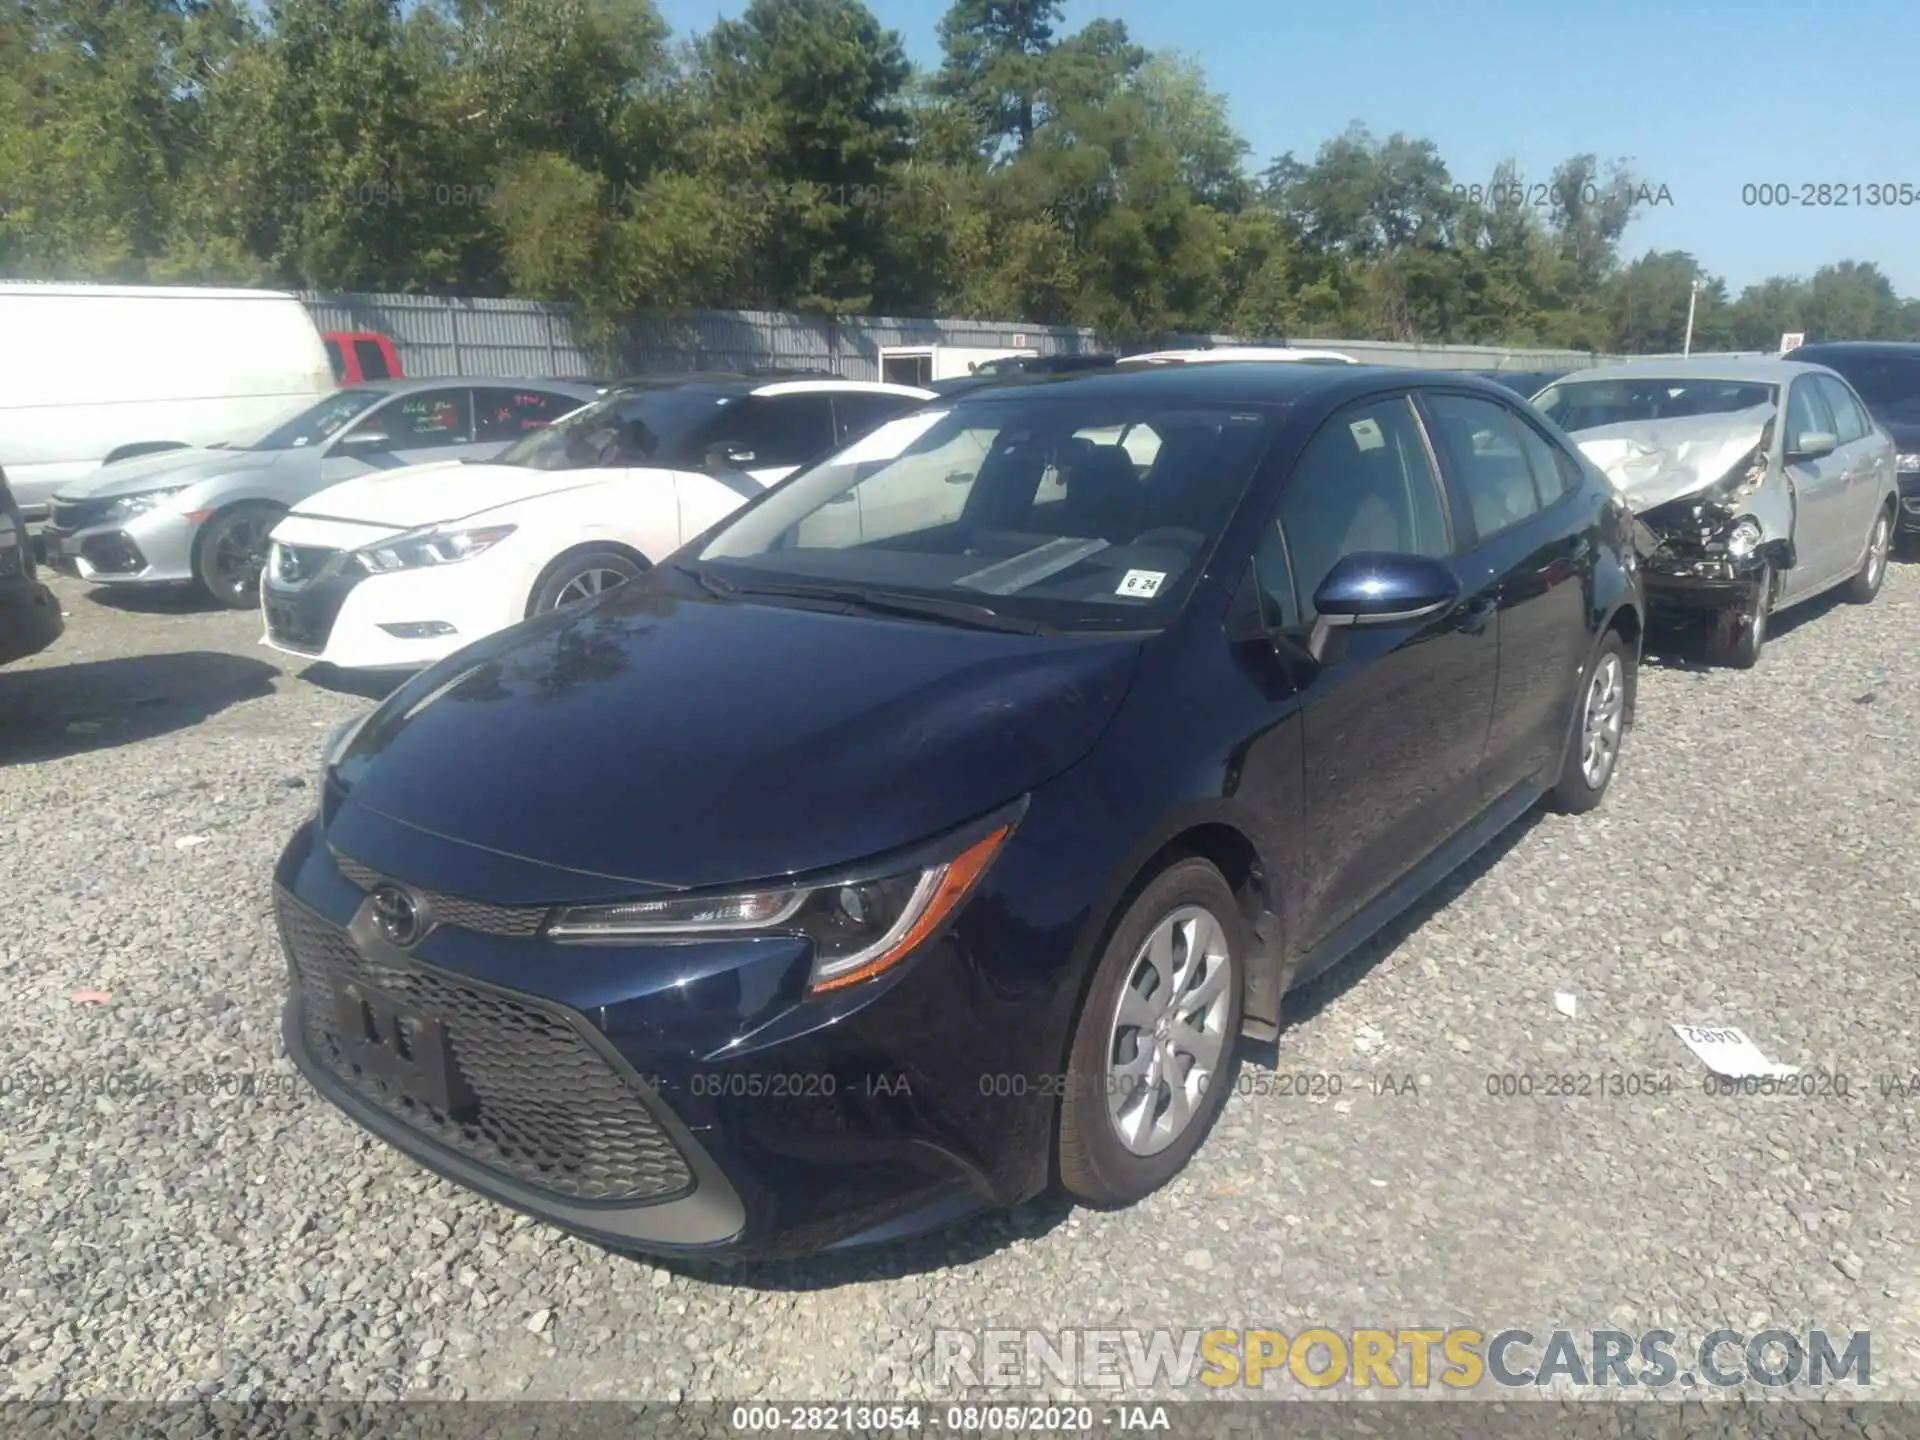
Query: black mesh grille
457, 910
548, 1109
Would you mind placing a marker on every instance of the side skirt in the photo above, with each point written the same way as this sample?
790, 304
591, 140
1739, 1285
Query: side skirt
1391, 903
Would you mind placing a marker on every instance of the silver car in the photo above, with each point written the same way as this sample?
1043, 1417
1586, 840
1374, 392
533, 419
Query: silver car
202, 516
1758, 483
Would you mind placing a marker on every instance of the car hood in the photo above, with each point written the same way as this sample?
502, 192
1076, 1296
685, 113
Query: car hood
163, 468
1904, 427
649, 740
1651, 462
428, 494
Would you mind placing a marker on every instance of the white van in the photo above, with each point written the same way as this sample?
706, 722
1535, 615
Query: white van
92, 373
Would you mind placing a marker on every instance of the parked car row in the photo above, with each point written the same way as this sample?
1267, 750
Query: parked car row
896, 803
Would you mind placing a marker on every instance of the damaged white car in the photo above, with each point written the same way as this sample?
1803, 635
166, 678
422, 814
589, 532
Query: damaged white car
1759, 484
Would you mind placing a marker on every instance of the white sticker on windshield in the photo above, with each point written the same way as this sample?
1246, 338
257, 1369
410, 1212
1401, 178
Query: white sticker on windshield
890, 439
1366, 434
1144, 584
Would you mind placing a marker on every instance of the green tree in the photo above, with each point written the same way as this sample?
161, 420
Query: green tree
995, 51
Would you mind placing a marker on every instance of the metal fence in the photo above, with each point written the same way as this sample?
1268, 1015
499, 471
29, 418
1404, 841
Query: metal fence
441, 335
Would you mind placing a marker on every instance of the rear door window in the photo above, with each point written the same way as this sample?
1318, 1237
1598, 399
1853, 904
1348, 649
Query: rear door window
373, 360
504, 414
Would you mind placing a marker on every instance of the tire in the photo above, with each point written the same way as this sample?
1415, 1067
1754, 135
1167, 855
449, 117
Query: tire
1740, 635
232, 551
579, 577
1865, 585
1594, 755
1096, 1165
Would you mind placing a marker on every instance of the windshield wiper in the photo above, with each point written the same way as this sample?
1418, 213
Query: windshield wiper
881, 602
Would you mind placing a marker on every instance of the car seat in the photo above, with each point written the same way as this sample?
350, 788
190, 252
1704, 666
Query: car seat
1104, 499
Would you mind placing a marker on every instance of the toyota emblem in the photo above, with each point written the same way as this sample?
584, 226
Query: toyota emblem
395, 915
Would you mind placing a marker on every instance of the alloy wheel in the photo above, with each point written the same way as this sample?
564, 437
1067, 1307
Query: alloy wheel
1878, 549
239, 555
1169, 1030
1606, 713
586, 585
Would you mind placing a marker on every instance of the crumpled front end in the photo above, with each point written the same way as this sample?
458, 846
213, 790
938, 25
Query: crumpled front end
1713, 513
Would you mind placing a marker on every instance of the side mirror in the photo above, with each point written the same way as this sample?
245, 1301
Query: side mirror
727, 452
1812, 445
1375, 588
365, 440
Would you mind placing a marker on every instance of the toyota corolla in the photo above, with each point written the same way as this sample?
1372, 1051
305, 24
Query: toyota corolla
831, 881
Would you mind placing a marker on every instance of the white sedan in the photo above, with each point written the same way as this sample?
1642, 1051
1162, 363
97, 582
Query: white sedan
398, 569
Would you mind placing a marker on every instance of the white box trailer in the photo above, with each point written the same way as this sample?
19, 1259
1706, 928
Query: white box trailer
92, 372
923, 364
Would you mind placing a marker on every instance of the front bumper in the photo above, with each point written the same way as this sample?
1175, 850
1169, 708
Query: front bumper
1910, 502
402, 621
153, 548
1695, 579
585, 1085
29, 618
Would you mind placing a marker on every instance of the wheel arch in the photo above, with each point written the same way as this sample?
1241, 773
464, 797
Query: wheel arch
1223, 839
224, 507
584, 547
1629, 624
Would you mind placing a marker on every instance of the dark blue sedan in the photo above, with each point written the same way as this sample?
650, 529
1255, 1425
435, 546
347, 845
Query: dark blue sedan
929, 832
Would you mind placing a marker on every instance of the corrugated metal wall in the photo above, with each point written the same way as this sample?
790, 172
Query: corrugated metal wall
439, 335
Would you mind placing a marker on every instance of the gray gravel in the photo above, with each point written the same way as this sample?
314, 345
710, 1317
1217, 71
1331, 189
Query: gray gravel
1757, 864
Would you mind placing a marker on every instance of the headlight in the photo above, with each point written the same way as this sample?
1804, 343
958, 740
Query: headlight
418, 548
128, 506
859, 926
1744, 538
1908, 464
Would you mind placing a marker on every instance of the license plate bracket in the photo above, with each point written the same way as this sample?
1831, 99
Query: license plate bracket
411, 1052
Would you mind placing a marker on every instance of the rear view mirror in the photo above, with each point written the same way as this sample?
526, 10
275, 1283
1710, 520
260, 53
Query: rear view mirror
365, 440
1813, 444
727, 452
1375, 588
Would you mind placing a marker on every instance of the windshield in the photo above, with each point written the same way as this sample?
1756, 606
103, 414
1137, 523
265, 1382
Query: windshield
1586, 404
1890, 385
631, 427
311, 424
1060, 510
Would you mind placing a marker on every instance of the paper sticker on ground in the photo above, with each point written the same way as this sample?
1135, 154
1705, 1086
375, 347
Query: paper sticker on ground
1142, 583
1730, 1053
1366, 434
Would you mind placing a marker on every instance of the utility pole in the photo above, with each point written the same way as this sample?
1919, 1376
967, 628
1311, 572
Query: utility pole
1693, 295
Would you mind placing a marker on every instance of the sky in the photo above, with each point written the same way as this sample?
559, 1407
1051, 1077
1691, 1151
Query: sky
1705, 97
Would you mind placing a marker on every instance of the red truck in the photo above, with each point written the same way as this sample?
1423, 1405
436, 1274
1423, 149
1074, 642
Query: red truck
359, 355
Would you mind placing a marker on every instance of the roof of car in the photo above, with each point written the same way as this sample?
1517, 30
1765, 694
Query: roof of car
1238, 354
1761, 371
1242, 382
1864, 349
413, 383
737, 383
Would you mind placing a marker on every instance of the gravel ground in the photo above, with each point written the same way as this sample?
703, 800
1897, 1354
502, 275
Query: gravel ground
1757, 864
